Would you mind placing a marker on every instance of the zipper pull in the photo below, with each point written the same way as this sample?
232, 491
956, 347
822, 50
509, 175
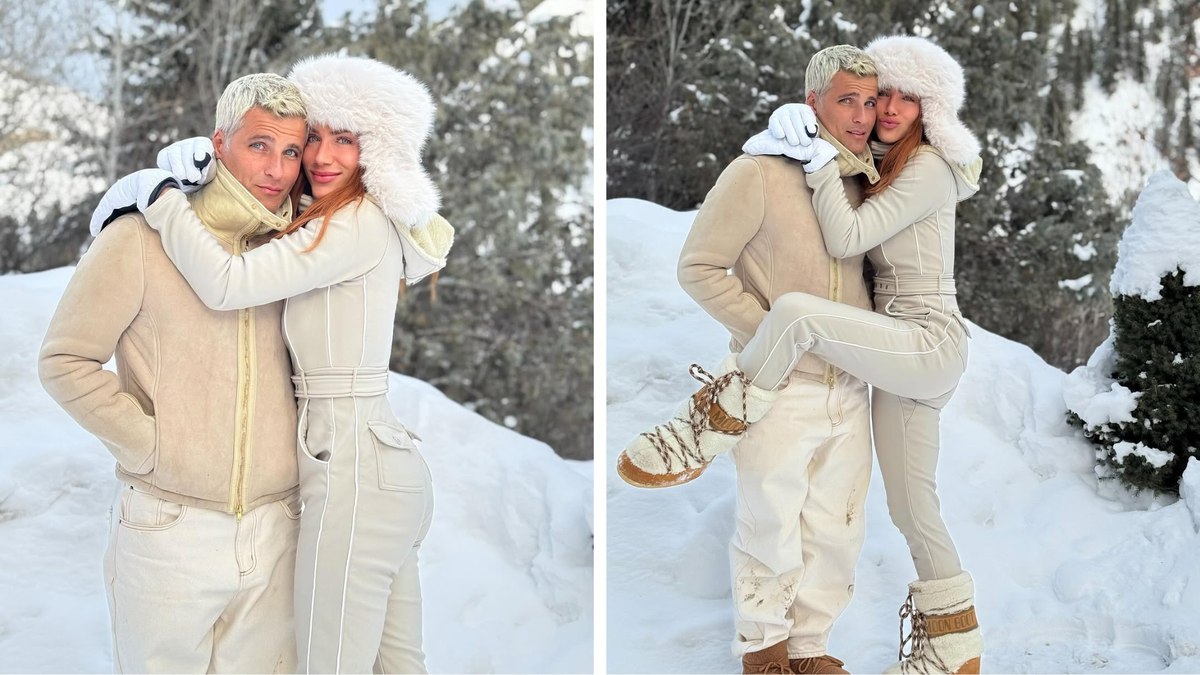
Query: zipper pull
241, 510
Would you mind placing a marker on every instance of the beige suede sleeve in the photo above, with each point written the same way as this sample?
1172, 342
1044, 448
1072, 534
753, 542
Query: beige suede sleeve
732, 214
924, 184
280, 268
98, 305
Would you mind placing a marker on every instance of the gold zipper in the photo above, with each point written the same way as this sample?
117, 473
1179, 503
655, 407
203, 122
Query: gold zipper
835, 274
237, 492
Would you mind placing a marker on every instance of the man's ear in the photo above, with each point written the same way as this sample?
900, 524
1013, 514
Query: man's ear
811, 99
218, 139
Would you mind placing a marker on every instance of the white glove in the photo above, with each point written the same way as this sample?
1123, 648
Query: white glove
813, 156
190, 161
134, 192
794, 122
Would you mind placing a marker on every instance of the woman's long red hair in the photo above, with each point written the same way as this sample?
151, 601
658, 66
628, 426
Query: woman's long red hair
897, 157
353, 191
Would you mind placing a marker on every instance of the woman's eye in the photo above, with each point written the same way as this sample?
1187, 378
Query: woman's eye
312, 138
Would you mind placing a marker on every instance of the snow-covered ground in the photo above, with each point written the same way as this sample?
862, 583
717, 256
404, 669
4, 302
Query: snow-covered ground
507, 566
1067, 580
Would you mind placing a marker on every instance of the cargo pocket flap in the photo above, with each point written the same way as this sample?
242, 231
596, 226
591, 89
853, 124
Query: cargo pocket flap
395, 436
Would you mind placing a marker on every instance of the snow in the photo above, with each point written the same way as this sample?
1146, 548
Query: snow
1118, 127
1067, 580
1163, 237
1189, 489
43, 164
1092, 394
1153, 456
1084, 253
506, 568
1076, 284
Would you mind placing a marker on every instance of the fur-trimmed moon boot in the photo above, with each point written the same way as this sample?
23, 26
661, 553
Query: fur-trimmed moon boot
944, 635
710, 422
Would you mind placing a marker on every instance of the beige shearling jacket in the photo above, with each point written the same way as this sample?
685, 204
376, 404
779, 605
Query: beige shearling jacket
201, 409
758, 220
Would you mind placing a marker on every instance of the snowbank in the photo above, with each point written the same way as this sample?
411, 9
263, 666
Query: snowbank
506, 569
1068, 581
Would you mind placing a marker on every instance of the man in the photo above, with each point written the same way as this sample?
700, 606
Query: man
200, 415
803, 469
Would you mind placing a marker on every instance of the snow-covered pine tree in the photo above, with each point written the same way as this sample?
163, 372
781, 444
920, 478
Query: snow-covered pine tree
1154, 369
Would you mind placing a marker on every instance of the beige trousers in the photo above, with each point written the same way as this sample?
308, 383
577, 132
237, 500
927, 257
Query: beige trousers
368, 503
192, 590
802, 476
914, 361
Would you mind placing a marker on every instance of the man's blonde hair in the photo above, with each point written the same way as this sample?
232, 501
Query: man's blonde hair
827, 62
271, 92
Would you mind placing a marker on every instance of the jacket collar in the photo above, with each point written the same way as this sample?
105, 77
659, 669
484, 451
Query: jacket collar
850, 164
966, 176
230, 212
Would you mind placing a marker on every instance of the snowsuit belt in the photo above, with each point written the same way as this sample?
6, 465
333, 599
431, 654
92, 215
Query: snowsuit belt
927, 284
339, 382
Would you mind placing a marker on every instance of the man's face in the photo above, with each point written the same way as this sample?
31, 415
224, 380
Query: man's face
847, 109
264, 154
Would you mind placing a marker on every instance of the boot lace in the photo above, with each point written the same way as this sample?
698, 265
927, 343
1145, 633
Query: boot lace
772, 668
672, 446
814, 664
920, 652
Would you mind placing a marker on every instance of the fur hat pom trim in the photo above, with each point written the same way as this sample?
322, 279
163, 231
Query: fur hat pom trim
391, 112
914, 65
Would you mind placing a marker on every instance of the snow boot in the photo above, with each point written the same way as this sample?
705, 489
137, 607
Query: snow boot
710, 422
818, 665
944, 636
773, 659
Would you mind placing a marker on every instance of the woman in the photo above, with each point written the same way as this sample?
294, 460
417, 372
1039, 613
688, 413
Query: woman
913, 349
366, 493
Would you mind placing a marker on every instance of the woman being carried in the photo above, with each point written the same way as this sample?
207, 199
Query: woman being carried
912, 349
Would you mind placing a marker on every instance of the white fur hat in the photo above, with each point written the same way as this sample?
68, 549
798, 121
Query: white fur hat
916, 66
392, 113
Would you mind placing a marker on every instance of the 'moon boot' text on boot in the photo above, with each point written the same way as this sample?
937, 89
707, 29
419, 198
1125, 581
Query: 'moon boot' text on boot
710, 422
773, 659
945, 635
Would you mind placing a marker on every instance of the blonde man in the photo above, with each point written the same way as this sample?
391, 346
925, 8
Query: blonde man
803, 469
200, 414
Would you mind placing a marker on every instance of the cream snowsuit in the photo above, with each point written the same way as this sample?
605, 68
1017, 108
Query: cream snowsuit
802, 470
913, 349
366, 492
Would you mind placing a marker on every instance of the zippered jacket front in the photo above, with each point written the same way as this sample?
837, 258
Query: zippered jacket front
759, 222
201, 408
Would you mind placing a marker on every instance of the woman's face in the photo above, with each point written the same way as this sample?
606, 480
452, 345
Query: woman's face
897, 113
330, 158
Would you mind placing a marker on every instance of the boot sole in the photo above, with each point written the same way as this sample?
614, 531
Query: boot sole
630, 473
